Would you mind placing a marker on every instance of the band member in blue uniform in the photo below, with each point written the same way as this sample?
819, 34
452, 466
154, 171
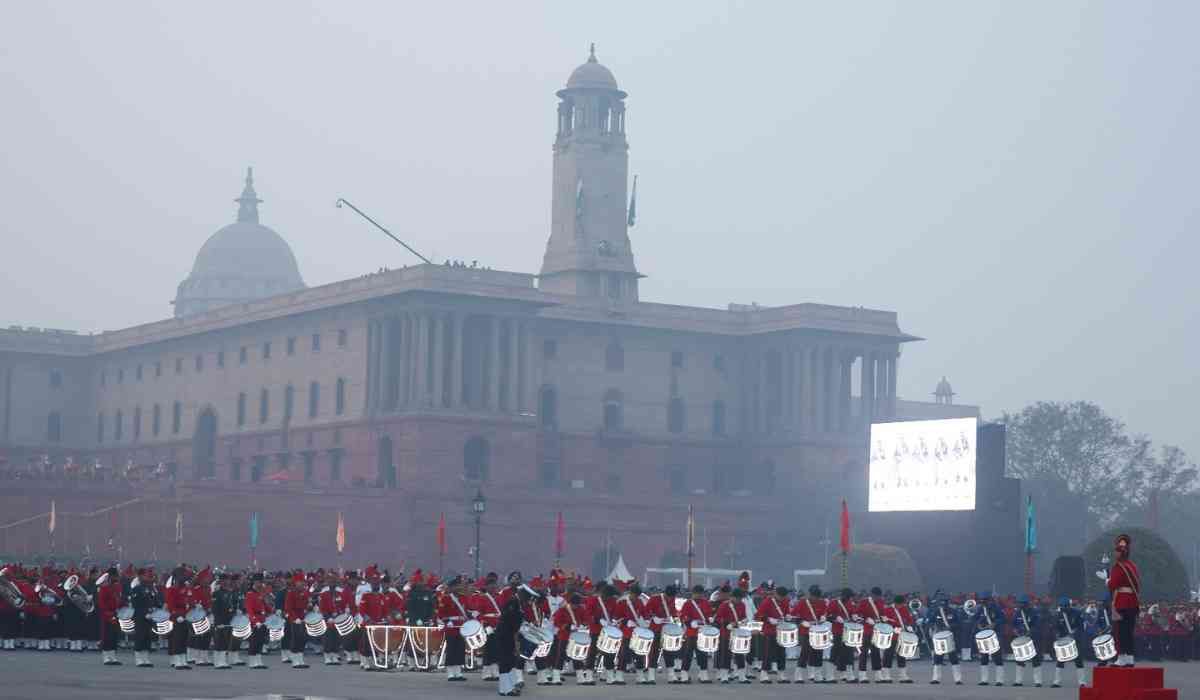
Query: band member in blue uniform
1027, 623
990, 616
1068, 622
941, 617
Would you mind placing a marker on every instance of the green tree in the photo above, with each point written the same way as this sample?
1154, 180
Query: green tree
1164, 577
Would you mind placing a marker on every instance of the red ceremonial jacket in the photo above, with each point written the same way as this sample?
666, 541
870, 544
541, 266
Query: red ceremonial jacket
256, 608
807, 611
839, 608
201, 595
771, 609
109, 599
603, 611
372, 608
327, 602
660, 607
487, 606
1125, 584
730, 614
295, 605
694, 615
898, 616
452, 612
631, 610
177, 600
870, 609
346, 602
568, 617
395, 605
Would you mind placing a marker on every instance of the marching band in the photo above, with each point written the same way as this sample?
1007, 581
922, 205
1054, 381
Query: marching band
563, 625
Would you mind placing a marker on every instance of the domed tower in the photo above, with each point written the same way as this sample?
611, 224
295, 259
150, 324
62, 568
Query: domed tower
241, 262
588, 253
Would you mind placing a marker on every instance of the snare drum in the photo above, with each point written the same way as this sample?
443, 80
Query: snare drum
530, 638
199, 621
1065, 649
708, 640
1023, 649
275, 625
882, 636
578, 646
240, 626
943, 642
609, 641
908, 645
740, 640
125, 619
641, 641
314, 624
344, 624
1105, 647
787, 634
987, 642
474, 635
820, 636
161, 621
672, 637
852, 635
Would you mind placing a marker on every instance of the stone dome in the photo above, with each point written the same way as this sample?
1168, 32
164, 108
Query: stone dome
592, 75
240, 262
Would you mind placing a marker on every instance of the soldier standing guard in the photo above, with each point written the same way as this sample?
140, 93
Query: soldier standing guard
1125, 584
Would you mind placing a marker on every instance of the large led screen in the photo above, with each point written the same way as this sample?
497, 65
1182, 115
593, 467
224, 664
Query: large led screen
922, 465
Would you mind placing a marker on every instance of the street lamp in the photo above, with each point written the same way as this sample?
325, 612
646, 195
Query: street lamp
479, 507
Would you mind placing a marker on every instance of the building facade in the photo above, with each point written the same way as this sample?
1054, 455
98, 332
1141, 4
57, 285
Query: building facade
398, 396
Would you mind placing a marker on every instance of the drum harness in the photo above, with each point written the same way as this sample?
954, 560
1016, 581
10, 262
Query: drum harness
1066, 622
775, 602
874, 610
636, 617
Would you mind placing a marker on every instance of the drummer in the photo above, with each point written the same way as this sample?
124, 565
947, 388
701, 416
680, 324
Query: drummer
372, 609
696, 613
870, 610
634, 613
988, 615
731, 614
571, 617
485, 607
661, 611
328, 599
899, 616
942, 617
536, 611
1027, 623
841, 611
773, 610
200, 593
807, 612
1068, 623
452, 613
604, 612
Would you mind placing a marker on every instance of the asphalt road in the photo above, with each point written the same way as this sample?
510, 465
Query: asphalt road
74, 676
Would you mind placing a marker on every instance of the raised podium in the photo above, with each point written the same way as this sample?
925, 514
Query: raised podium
1128, 683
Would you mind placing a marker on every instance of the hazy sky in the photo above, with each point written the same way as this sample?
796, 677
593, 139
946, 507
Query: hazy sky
1016, 179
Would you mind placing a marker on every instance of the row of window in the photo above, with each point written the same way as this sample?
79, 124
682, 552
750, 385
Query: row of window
258, 467
54, 422
614, 412
614, 356
198, 361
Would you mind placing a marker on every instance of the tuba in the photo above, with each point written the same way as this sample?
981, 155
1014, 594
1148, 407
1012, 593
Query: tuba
9, 590
915, 606
970, 606
78, 596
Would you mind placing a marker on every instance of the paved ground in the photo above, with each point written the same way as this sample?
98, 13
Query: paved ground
67, 676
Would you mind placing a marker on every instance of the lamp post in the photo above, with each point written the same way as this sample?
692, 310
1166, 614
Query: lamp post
479, 507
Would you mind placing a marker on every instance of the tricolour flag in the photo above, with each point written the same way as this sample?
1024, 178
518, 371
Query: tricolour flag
845, 528
341, 533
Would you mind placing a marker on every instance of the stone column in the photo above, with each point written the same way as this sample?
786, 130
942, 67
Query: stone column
402, 369
513, 367
764, 423
493, 366
880, 384
891, 407
420, 359
868, 387
787, 384
846, 358
437, 324
456, 360
388, 365
372, 372
833, 378
817, 390
800, 389
529, 383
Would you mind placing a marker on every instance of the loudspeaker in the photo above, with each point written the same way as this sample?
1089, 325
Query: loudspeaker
1068, 578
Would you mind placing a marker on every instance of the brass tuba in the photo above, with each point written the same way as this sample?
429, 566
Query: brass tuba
81, 598
915, 606
9, 590
970, 606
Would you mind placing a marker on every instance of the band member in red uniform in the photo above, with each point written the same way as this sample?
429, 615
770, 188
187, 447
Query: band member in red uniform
327, 604
258, 607
200, 592
485, 607
536, 611
696, 613
604, 612
348, 603
807, 612
841, 611
177, 600
372, 607
571, 617
870, 609
109, 599
773, 610
731, 614
899, 616
661, 611
452, 612
295, 607
1125, 584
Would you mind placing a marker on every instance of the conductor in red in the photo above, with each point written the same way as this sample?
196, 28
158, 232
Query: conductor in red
1125, 585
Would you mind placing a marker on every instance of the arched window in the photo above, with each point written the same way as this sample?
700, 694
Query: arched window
54, 427
614, 357
718, 417
548, 407
475, 459
314, 399
289, 396
613, 410
675, 417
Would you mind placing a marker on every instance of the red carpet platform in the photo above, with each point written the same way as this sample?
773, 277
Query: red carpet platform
1136, 683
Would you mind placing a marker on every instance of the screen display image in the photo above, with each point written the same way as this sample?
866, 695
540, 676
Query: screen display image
922, 465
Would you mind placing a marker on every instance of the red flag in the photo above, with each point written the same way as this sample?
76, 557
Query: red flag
845, 527
441, 535
560, 536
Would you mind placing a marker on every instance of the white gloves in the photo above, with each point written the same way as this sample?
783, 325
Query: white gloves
840, 620
773, 620
630, 623
695, 624
179, 620
870, 620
